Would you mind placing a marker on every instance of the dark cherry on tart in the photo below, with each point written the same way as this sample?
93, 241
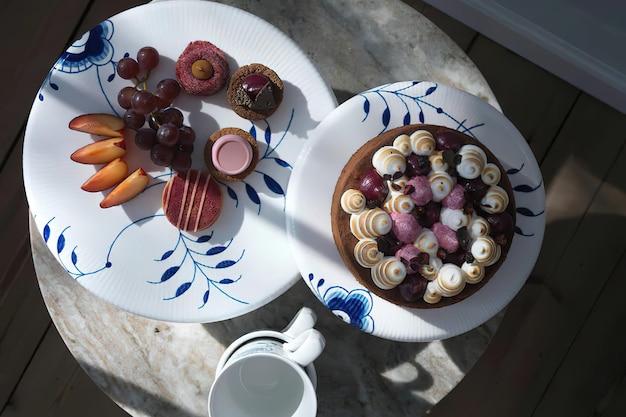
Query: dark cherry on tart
202, 68
255, 91
231, 154
423, 215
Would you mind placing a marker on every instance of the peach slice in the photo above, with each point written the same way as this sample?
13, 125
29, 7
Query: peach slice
101, 152
107, 176
132, 185
102, 124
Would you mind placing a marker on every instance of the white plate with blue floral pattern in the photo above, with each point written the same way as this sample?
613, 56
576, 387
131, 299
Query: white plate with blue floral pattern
310, 191
130, 255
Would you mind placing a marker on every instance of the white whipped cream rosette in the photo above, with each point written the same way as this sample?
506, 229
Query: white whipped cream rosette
441, 183
431, 295
472, 163
366, 253
370, 223
450, 280
388, 161
422, 142
478, 226
427, 242
403, 144
353, 201
437, 162
431, 269
454, 218
474, 272
388, 273
491, 174
485, 250
496, 200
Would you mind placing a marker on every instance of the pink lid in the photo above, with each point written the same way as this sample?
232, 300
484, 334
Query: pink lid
231, 154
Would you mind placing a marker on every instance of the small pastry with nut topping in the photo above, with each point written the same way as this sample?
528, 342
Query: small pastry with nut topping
202, 69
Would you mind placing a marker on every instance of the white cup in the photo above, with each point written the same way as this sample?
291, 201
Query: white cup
269, 373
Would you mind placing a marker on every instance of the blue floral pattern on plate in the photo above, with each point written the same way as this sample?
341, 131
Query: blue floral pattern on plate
131, 255
363, 117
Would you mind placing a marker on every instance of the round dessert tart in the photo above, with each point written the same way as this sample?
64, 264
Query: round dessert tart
202, 68
423, 215
231, 154
192, 201
255, 91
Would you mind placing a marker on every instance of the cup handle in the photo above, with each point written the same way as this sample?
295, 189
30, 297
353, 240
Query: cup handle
303, 320
306, 347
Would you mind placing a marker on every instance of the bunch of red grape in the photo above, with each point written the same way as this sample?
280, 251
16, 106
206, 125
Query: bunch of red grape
169, 141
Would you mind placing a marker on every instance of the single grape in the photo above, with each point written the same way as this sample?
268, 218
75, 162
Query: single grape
143, 102
161, 155
124, 97
148, 58
186, 136
145, 138
186, 148
127, 68
181, 161
167, 89
167, 134
133, 120
161, 103
448, 140
172, 115
374, 187
254, 83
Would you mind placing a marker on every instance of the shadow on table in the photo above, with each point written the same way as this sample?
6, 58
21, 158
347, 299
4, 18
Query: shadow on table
359, 374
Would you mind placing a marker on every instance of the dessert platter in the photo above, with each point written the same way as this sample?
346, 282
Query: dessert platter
426, 216
156, 184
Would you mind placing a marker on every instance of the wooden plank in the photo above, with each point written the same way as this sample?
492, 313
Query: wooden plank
35, 36
534, 100
23, 323
579, 160
596, 359
543, 321
54, 385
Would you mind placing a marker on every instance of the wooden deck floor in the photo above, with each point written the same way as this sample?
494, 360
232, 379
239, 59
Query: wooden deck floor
560, 350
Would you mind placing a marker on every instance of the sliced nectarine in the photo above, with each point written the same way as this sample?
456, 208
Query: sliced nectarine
101, 152
132, 185
102, 124
107, 176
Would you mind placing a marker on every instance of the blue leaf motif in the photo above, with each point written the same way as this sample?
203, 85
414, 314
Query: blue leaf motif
166, 255
524, 188
514, 171
226, 281
521, 233
169, 273
386, 117
231, 193
320, 282
74, 257
46, 233
60, 243
216, 250
268, 135
421, 116
253, 131
40, 97
527, 212
253, 194
111, 77
366, 106
273, 185
225, 264
183, 288
407, 119
54, 86
205, 298
204, 238
282, 163
430, 90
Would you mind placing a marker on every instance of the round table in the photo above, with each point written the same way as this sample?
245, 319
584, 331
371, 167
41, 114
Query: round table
154, 368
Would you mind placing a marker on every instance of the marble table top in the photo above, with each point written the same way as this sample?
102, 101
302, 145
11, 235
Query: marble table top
154, 368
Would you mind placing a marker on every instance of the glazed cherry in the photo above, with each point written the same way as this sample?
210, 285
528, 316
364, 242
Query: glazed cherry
417, 165
413, 287
501, 224
475, 189
374, 187
254, 83
448, 140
